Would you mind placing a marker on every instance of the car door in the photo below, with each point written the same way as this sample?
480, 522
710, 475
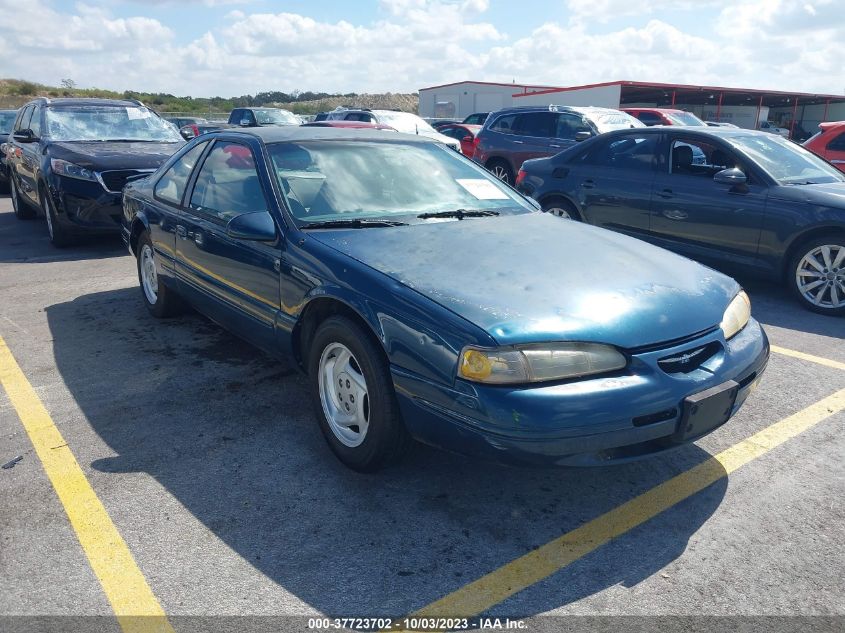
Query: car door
169, 195
234, 281
613, 181
25, 158
696, 216
834, 151
566, 127
532, 136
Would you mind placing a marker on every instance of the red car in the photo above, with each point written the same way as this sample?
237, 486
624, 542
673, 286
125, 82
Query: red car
829, 143
349, 124
463, 132
664, 116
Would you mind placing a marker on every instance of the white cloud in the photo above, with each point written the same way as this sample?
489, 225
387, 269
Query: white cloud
779, 44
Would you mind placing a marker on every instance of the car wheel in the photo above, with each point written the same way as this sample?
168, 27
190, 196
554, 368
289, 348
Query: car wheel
562, 208
160, 300
58, 234
817, 275
354, 397
22, 210
501, 170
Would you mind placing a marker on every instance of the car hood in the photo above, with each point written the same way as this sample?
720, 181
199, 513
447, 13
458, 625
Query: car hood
102, 155
535, 277
830, 194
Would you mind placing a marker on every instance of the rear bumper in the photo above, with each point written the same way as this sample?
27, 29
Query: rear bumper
581, 423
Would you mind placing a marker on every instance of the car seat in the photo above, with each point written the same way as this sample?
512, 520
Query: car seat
682, 159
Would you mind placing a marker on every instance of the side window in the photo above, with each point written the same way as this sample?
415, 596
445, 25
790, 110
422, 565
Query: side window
837, 144
691, 157
626, 152
171, 186
228, 184
35, 121
504, 124
538, 124
453, 132
650, 118
568, 126
23, 122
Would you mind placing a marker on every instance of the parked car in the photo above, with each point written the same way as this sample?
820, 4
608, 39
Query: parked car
476, 118
771, 128
665, 116
290, 238
400, 121
7, 120
721, 124
182, 121
70, 159
360, 125
438, 123
193, 130
465, 134
829, 143
761, 204
511, 136
259, 117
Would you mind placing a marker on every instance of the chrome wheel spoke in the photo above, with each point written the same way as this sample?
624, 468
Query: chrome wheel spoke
828, 262
820, 276
810, 259
839, 260
813, 285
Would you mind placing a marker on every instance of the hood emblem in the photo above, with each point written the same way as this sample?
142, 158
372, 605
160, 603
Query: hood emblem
684, 359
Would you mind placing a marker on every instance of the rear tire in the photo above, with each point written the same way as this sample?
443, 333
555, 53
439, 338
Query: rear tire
23, 211
160, 300
562, 208
501, 170
816, 275
354, 397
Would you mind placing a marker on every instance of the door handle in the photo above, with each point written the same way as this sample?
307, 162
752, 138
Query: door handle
588, 184
199, 239
666, 193
181, 231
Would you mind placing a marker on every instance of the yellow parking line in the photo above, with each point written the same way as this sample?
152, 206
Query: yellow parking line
131, 598
488, 591
813, 359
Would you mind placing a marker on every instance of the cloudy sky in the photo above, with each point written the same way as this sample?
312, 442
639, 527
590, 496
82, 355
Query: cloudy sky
234, 47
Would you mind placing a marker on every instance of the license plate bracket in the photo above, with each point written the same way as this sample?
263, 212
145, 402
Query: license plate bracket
706, 410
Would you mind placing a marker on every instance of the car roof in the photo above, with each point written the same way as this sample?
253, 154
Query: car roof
85, 101
667, 110
707, 131
313, 132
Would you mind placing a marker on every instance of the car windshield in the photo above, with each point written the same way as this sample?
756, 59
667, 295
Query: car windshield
7, 119
108, 123
405, 122
786, 162
275, 117
354, 180
685, 118
615, 121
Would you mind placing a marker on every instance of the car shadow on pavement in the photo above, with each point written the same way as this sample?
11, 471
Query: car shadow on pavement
230, 434
24, 241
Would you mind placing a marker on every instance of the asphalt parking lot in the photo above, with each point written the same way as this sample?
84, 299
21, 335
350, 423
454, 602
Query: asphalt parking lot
208, 463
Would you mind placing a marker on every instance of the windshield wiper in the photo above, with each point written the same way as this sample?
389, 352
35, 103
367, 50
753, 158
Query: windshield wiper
458, 213
351, 224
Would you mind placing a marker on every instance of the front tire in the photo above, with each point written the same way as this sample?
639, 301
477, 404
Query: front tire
817, 275
59, 236
23, 211
160, 300
354, 397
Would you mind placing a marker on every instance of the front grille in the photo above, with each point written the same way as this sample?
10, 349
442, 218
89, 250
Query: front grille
689, 359
115, 179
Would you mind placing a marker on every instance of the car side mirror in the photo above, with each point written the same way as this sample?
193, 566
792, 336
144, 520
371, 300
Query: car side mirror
24, 136
255, 227
582, 136
732, 176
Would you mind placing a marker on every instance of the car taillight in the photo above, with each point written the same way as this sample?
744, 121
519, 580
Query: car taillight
520, 177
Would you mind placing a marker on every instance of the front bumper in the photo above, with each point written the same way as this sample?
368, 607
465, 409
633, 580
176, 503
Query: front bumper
584, 422
85, 207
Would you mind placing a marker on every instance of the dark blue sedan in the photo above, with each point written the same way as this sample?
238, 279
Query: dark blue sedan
738, 199
425, 299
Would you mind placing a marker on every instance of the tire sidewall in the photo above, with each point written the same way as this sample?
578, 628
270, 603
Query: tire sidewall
557, 202
793, 269
374, 451
157, 309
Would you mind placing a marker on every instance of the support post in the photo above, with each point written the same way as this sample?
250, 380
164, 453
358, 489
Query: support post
719, 108
673, 98
759, 108
826, 106
794, 114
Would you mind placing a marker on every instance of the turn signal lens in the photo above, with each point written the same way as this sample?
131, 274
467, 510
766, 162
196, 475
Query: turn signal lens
736, 316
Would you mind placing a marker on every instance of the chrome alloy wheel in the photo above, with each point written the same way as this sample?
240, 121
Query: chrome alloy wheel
343, 394
45, 206
500, 172
820, 276
149, 277
559, 212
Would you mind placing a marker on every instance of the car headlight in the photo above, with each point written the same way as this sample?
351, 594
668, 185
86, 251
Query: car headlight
538, 362
64, 168
737, 315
